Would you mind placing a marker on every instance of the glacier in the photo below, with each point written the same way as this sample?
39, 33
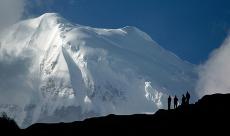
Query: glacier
53, 70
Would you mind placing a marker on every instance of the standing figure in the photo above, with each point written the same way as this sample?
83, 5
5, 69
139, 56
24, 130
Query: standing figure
183, 100
175, 102
169, 102
187, 98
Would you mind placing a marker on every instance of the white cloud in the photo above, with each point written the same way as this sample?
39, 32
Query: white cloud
11, 11
215, 73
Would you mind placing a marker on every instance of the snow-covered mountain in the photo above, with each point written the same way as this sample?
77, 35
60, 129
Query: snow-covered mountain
52, 71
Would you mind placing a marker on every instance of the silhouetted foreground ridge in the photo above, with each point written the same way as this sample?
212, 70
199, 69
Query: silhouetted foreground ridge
209, 114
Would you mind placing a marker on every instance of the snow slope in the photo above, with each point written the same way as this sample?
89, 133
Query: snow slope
52, 71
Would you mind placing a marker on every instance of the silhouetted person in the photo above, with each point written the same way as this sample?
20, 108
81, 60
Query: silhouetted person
187, 98
175, 102
183, 100
169, 102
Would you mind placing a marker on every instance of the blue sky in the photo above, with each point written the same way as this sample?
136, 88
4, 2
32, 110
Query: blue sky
189, 28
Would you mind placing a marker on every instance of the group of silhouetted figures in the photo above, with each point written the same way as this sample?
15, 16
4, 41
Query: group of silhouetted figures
184, 101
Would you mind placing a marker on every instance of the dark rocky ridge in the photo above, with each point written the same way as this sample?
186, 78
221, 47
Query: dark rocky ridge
209, 114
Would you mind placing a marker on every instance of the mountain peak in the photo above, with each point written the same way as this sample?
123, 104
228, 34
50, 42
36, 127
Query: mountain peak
85, 71
50, 15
